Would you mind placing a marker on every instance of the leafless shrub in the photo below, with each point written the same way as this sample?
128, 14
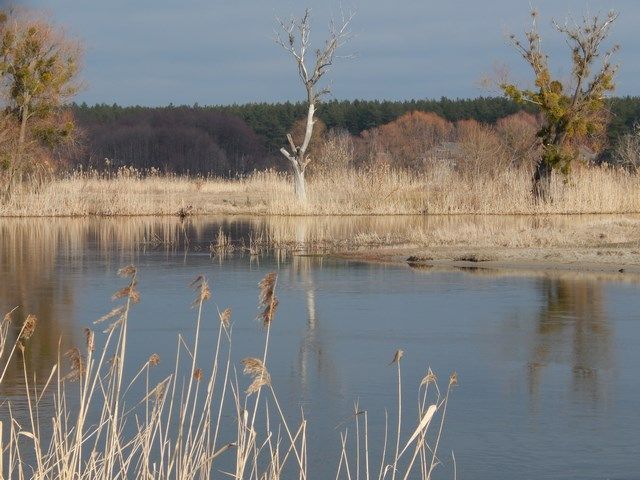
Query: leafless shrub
336, 153
518, 134
408, 141
627, 149
478, 150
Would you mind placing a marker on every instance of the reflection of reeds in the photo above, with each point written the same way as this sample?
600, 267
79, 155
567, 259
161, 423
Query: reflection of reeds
21, 239
175, 430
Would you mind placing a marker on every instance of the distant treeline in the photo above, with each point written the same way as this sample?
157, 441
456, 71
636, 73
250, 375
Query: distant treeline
226, 140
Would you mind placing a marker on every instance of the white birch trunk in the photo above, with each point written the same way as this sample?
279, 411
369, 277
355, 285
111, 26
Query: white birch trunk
299, 183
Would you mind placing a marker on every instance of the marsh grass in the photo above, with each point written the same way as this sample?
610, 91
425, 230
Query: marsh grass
439, 190
179, 426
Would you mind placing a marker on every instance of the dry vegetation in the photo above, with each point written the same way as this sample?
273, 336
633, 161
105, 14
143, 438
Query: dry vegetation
193, 420
418, 164
374, 191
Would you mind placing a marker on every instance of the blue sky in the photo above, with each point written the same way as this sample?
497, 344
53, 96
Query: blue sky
155, 52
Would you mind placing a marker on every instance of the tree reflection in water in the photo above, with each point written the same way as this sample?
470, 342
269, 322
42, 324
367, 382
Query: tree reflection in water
39, 261
313, 352
572, 330
31, 282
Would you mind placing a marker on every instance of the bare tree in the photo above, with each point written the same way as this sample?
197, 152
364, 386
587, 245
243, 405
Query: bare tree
296, 42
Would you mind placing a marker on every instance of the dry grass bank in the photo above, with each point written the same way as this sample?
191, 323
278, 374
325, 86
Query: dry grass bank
380, 192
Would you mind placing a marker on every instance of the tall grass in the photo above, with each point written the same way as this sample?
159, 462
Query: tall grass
196, 421
379, 191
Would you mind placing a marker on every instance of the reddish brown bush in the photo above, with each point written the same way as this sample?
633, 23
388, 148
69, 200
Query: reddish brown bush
518, 134
407, 141
477, 149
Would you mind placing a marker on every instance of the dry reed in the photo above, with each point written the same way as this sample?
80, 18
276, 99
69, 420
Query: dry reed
440, 190
97, 431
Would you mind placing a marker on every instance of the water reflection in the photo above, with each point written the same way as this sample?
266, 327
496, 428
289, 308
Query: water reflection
572, 330
31, 282
314, 360
39, 259
563, 329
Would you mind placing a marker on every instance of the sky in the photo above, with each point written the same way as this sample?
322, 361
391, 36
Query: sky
211, 52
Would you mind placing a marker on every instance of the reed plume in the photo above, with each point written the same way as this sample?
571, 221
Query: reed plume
7, 319
225, 317
430, 377
201, 286
129, 291
77, 364
267, 299
89, 336
255, 368
154, 360
113, 313
29, 327
397, 356
127, 272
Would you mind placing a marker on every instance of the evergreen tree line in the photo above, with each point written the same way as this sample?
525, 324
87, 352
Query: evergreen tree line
236, 139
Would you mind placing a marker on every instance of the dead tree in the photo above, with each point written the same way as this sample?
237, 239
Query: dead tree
296, 42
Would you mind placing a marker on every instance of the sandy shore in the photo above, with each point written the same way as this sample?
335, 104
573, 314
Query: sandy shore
606, 243
615, 262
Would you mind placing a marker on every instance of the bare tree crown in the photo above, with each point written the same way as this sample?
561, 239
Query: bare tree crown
295, 39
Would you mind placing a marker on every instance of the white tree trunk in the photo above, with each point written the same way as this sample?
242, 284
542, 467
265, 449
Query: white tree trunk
299, 183
298, 157
308, 133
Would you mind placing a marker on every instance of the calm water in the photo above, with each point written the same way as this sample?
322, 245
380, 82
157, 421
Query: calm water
547, 365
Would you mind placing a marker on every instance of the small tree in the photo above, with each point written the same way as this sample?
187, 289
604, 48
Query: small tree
38, 73
572, 110
296, 42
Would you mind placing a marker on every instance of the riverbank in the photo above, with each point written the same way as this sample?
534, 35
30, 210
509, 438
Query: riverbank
602, 243
523, 242
439, 191
618, 263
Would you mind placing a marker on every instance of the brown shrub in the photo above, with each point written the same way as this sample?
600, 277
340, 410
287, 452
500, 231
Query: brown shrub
336, 153
477, 149
317, 138
627, 149
518, 134
407, 141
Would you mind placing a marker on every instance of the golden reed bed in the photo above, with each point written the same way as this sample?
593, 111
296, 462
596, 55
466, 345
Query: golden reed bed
440, 191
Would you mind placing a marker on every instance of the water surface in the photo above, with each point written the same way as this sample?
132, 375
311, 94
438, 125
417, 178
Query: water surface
547, 364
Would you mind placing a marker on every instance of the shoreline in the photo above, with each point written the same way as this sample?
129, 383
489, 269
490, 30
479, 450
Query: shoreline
535, 261
584, 243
